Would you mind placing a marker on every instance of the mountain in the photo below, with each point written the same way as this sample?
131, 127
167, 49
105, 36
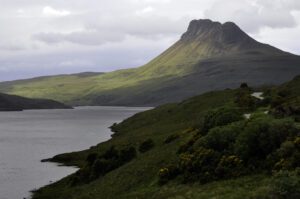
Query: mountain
16, 103
208, 56
203, 147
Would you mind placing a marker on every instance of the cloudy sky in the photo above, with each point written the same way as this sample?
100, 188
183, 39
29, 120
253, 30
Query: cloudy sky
44, 37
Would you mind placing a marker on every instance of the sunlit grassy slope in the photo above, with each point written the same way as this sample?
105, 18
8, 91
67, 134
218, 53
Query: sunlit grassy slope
208, 56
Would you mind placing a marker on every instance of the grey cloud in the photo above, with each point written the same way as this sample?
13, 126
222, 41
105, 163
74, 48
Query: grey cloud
100, 59
12, 47
80, 37
101, 32
257, 15
132, 30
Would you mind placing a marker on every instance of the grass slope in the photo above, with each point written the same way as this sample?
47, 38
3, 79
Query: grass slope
138, 178
208, 56
16, 103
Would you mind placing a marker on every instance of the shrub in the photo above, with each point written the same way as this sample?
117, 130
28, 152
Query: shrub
221, 117
111, 160
91, 158
111, 153
199, 165
297, 142
167, 173
114, 128
146, 145
163, 175
286, 149
286, 108
236, 148
222, 138
283, 93
171, 138
99, 165
127, 154
80, 177
276, 101
188, 145
261, 137
244, 99
229, 166
103, 166
288, 155
285, 185
244, 85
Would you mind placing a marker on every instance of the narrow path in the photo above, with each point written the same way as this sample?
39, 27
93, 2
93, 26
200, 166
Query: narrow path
259, 96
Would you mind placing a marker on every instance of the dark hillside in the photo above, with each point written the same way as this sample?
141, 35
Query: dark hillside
222, 144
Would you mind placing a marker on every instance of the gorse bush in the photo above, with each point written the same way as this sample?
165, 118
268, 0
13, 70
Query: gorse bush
288, 155
188, 145
229, 166
167, 173
228, 151
199, 165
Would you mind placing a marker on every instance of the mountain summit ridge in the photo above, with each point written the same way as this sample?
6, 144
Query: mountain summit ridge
202, 26
227, 37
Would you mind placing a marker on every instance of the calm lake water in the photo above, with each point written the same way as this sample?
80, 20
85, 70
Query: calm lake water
29, 136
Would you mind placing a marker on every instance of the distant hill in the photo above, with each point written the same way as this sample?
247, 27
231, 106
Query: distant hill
208, 56
16, 103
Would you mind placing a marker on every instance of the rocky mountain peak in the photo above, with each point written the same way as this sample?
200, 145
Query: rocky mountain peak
206, 29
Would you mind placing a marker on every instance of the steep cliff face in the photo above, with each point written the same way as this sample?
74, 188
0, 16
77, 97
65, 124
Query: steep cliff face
223, 39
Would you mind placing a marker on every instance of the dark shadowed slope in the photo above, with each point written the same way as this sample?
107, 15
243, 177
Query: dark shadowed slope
16, 103
203, 147
208, 56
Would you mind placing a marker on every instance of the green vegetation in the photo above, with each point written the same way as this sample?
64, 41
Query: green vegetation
202, 147
146, 145
16, 103
208, 56
98, 166
239, 148
284, 184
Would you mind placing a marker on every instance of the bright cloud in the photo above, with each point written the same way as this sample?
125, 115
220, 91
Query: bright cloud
51, 12
144, 11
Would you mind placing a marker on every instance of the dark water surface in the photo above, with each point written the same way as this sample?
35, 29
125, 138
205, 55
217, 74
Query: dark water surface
29, 136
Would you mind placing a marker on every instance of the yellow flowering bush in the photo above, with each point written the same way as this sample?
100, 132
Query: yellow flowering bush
229, 166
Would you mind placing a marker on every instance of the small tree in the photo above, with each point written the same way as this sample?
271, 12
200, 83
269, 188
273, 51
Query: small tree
146, 145
244, 85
